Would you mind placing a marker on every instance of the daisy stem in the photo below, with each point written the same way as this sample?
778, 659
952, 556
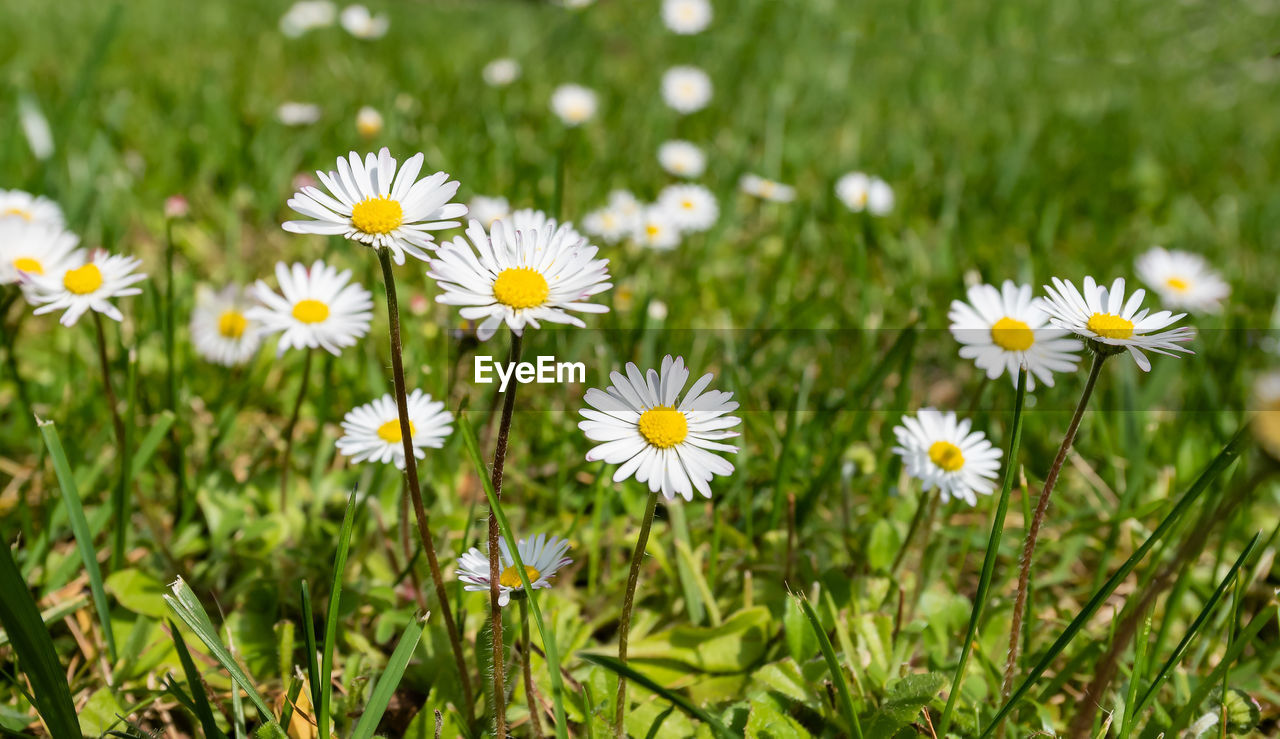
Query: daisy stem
1033, 532
107, 389
411, 471
526, 659
624, 626
286, 459
495, 553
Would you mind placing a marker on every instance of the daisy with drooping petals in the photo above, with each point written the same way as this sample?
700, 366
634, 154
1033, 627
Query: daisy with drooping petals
861, 192
520, 277
359, 22
682, 159
542, 558
573, 104
501, 72
1183, 280
686, 17
318, 307
686, 89
656, 229
766, 189
221, 330
80, 285
1113, 324
691, 207
1003, 330
34, 248
656, 436
375, 205
31, 208
371, 432
487, 210
944, 453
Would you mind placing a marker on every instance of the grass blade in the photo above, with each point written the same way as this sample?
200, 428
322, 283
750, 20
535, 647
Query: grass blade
1245, 638
833, 666
387, 683
331, 619
199, 697
313, 660
616, 666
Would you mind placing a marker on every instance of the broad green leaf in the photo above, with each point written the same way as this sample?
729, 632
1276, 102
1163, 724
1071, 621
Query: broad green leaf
882, 545
903, 702
802, 645
768, 719
139, 592
733, 646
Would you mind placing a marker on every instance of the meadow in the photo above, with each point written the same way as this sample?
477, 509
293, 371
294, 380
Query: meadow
206, 537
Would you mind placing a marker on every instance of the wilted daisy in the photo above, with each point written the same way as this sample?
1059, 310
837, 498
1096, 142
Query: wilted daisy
573, 104
655, 228
28, 207
766, 189
656, 436
34, 248
305, 15
609, 223
359, 22
487, 210
298, 114
1003, 330
501, 72
520, 277
80, 285
368, 122
378, 206
682, 159
317, 307
542, 558
371, 432
861, 192
944, 453
692, 207
1113, 324
686, 89
221, 330
686, 17
1183, 280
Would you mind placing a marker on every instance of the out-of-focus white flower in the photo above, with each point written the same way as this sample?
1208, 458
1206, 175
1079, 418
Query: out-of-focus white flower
368, 122
692, 207
371, 432
686, 17
609, 223
220, 331
682, 159
1183, 280
316, 307
501, 72
686, 89
33, 248
78, 287
656, 229
861, 192
945, 453
573, 104
359, 22
35, 127
487, 210
30, 208
305, 15
766, 189
298, 114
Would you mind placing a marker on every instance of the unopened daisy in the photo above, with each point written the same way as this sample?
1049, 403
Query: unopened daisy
656, 436
947, 454
766, 189
861, 192
686, 89
80, 285
368, 122
1266, 421
221, 330
35, 248
655, 228
542, 557
1003, 330
501, 72
686, 17
298, 114
609, 223
692, 207
573, 104
316, 307
1183, 280
31, 208
682, 159
1113, 324
359, 22
521, 277
306, 15
375, 205
371, 432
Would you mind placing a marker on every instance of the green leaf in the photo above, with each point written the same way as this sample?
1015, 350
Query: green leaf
613, 664
138, 592
768, 719
802, 645
903, 702
733, 646
882, 545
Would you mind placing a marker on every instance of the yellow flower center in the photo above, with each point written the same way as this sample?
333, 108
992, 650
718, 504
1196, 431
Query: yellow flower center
380, 215
521, 287
510, 577
310, 311
663, 426
390, 431
83, 280
22, 213
1110, 326
652, 230
231, 324
1012, 335
1177, 283
28, 264
686, 204
946, 455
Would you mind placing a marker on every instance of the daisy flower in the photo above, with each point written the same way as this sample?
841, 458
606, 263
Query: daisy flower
861, 192
530, 218
371, 432
519, 276
682, 159
377, 206
1183, 280
766, 189
944, 453
686, 17
1002, 330
656, 229
691, 207
573, 104
542, 558
501, 72
220, 329
1112, 324
79, 285
654, 435
625, 203
31, 208
609, 223
368, 122
686, 89
298, 114
35, 248
1266, 422
305, 15
359, 22
487, 210
320, 307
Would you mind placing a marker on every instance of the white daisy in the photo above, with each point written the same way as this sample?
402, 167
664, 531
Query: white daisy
766, 189
359, 22
487, 210
1112, 324
944, 453
305, 15
656, 229
542, 558
609, 223
520, 277
531, 218
682, 159
368, 122
319, 307
221, 332
861, 192
373, 204
35, 248
657, 437
686, 89
686, 17
1266, 421
573, 104
297, 114
625, 203
79, 285
1183, 280
371, 432
501, 72
692, 207
1002, 330
31, 208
